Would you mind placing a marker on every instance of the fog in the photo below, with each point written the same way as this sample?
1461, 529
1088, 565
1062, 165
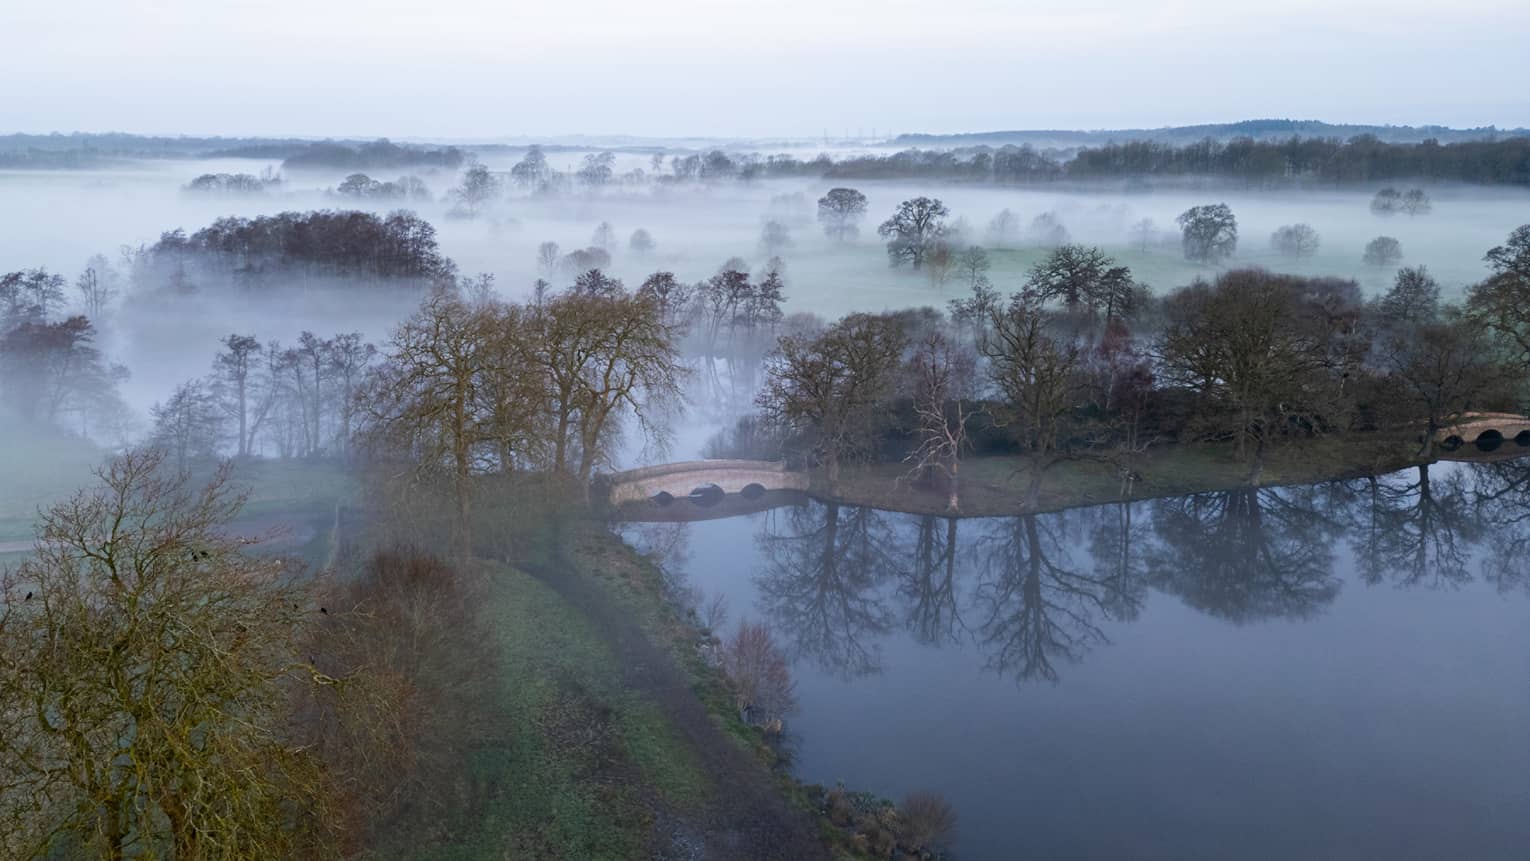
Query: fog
58, 219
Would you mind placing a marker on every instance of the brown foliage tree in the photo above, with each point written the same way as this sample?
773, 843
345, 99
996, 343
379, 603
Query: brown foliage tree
143, 660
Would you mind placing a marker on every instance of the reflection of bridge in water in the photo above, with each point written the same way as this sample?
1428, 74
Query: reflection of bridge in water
709, 507
701, 481
1487, 431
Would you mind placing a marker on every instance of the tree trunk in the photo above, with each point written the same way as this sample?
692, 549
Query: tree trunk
560, 451
953, 502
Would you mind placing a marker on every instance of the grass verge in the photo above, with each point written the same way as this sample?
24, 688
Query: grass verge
582, 768
994, 486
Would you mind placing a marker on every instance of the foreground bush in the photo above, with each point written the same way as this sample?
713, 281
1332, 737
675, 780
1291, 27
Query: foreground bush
760, 676
412, 696
143, 663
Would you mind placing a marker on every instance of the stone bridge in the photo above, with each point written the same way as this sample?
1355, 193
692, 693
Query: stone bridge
670, 481
1487, 431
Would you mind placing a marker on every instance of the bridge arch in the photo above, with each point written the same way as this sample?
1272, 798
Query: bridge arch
694, 480
1487, 431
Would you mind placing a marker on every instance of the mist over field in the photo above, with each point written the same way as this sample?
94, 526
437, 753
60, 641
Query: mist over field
804, 431
65, 217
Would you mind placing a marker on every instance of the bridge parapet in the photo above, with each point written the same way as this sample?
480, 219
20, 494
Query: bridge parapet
680, 479
1484, 429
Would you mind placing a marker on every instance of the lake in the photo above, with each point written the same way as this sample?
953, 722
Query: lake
1333, 671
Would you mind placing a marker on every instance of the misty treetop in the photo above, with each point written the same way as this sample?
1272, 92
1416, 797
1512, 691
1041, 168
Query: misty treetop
363, 187
915, 231
1314, 160
1296, 161
233, 183
379, 154
1209, 232
52, 375
840, 211
266, 249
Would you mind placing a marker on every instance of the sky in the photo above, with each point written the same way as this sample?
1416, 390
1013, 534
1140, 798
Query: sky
483, 69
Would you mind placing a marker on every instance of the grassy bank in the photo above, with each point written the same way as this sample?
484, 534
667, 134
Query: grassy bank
992, 486
582, 767
852, 826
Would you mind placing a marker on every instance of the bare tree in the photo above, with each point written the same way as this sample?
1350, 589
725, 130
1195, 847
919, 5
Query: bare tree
188, 426
943, 381
143, 684
828, 388
233, 369
421, 398
32, 296
1295, 240
914, 230
1004, 229
349, 358
1209, 233
641, 242
840, 212
597, 169
603, 356
775, 237
604, 237
1035, 375
1387, 201
973, 263
1048, 231
760, 674
479, 188
939, 262
1262, 352
1443, 370
98, 286
547, 259
1383, 251
1414, 297
532, 172
972, 313
1084, 278
1502, 302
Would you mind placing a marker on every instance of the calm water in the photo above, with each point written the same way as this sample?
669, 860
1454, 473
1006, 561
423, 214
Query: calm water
1335, 671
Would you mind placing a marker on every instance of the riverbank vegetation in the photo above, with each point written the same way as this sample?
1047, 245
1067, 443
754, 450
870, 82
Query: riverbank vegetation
1081, 365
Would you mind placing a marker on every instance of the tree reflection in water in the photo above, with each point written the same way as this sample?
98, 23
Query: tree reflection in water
1036, 609
1411, 528
928, 585
836, 579
1501, 496
820, 584
1115, 544
1246, 554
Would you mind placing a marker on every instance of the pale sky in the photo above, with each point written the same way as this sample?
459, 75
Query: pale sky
454, 69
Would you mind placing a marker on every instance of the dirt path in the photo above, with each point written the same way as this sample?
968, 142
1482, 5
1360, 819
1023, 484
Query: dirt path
746, 817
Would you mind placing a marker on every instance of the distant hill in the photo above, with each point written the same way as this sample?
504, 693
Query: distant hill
1256, 129
83, 150
121, 144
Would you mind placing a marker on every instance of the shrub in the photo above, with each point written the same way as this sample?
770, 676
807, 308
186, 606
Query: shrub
929, 821
760, 675
405, 642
